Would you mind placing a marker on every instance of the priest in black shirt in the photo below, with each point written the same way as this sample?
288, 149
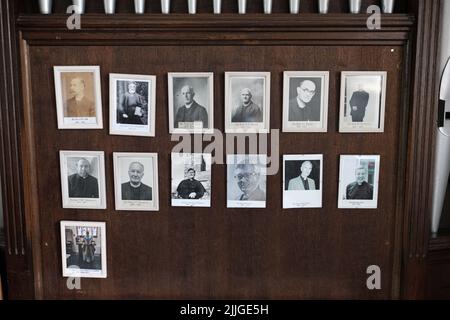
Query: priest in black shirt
190, 188
135, 189
360, 189
191, 111
82, 184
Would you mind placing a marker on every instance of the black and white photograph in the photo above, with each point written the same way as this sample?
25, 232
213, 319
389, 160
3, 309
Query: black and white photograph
247, 102
136, 181
83, 179
78, 97
191, 180
302, 181
83, 246
246, 181
358, 181
363, 99
305, 101
132, 104
191, 102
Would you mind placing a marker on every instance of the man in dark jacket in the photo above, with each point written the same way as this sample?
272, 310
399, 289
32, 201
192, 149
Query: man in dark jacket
191, 111
135, 189
248, 111
190, 188
358, 104
82, 184
360, 189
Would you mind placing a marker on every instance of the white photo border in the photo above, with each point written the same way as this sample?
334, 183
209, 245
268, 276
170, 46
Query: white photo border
152, 205
82, 203
306, 126
252, 127
57, 71
343, 128
78, 273
151, 80
170, 77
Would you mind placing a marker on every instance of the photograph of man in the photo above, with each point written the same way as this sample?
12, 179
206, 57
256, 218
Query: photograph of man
190, 188
358, 104
360, 189
303, 107
131, 106
247, 111
248, 177
135, 189
78, 105
302, 182
191, 111
81, 183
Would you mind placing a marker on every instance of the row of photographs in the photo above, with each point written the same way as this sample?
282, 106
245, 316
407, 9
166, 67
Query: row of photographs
191, 101
136, 181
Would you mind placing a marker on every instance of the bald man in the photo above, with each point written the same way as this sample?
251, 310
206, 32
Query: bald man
300, 107
82, 184
248, 111
78, 106
135, 189
191, 111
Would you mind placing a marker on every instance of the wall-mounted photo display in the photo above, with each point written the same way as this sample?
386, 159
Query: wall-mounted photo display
78, 97
83, 179
358, 181
305, 101
247, 102
132, 104
136, 181
246, 181
83, 249
302, 182
191, 180
191, 102
363, 99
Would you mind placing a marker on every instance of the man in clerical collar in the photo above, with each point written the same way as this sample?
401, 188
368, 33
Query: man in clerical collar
191, 111
300, 107
190, 188
360, 189
131, 106
248, 111
248, 179
79, 105
302, 182
135, 189
81, 183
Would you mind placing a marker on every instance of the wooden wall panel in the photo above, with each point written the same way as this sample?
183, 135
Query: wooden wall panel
219, 252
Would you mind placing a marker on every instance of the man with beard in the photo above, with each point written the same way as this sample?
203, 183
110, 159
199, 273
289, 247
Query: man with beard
82, 184
360, 189
248, 178
131, 106
300, 107
190, 188
135, 189
79, 105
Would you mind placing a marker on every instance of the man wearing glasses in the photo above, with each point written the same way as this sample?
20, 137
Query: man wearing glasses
301, 108
248, 177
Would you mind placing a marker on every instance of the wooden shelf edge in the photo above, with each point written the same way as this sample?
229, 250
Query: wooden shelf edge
441, 241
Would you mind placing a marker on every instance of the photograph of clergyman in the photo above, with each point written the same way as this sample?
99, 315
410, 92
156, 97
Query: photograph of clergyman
358, 181
191, 102
363, 99
78, 97
83, 246
246, 181
302, 187
191, 180
305, 101
83, 179
132, 104
247, 102
136, 181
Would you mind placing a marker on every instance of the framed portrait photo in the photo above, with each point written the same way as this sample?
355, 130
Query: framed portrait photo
191, 180
191, 102
247, 102
302, 181
83, 179
132, 105
305, 101
358, 181
83, 249
246, 181
78, 97
363, 100
136, 181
